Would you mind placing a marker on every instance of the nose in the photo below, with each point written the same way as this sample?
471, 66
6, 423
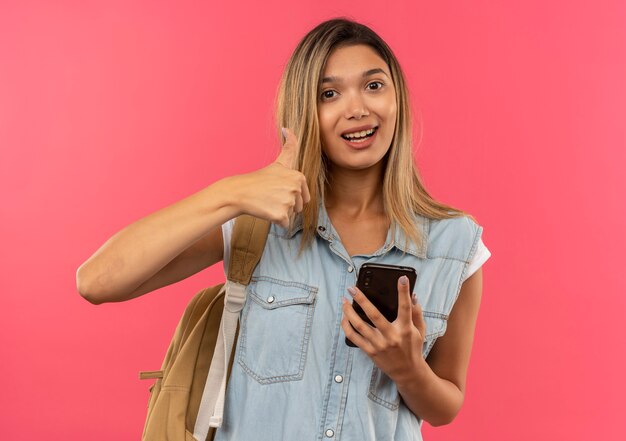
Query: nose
356, 107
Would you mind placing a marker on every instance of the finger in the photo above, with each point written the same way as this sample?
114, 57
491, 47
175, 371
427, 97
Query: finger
355, 337
372, 312
299, 203
289, 153
417, 315
360, 326
404, 300
306, 196
284, 221
351, 333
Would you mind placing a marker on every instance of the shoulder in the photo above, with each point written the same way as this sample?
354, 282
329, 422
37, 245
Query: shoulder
456, 238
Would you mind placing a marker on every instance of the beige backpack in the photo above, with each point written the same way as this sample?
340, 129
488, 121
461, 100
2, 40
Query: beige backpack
187, 400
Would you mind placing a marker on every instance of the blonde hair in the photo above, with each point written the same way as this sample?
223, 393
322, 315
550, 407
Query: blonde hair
296, 108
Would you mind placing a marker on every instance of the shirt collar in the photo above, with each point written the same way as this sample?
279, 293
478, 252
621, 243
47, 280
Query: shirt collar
423, 225
394, 238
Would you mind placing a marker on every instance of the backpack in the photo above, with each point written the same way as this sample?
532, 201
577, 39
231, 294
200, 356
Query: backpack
187, 399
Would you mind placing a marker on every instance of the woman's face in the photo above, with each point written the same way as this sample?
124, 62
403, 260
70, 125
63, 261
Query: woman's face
356, 95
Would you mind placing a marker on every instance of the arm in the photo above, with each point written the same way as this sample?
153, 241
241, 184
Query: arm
185, 237
161, 248
434, 388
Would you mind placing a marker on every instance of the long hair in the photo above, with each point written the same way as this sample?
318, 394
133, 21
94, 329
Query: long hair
296, 108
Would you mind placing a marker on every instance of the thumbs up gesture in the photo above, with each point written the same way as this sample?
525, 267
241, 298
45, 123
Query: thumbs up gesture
277, 191
289, 153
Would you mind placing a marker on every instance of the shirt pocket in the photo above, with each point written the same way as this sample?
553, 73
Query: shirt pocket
436, 324
275, 329
382, 389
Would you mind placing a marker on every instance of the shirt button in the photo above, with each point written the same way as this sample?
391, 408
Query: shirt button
321, 228
338, 378
330, 433
350, 268
270, 299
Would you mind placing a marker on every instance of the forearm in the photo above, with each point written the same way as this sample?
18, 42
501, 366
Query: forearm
432, 398
138, 251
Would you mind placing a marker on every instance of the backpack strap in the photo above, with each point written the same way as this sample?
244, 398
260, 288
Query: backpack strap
247, 244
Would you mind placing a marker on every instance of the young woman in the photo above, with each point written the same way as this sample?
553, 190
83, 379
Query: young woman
344, 191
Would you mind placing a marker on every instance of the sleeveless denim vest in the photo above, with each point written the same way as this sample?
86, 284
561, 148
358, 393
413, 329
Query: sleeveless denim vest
293, 376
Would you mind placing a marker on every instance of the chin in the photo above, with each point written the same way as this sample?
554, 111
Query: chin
356, 166
362, 160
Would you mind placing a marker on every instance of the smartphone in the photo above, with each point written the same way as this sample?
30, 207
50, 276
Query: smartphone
379, 283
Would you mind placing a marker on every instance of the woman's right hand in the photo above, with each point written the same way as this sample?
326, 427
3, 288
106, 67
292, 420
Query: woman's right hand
277, 191
185, 237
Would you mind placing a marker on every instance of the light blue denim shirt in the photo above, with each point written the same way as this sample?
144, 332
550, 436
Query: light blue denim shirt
293, 377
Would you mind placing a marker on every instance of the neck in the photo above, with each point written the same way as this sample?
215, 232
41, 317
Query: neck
355, 194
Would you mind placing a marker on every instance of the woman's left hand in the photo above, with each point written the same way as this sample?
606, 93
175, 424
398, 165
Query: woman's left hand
396, 347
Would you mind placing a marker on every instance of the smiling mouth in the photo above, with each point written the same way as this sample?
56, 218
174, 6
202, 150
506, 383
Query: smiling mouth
360, 138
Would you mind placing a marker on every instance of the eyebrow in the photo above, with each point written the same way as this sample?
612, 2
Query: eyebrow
367, 73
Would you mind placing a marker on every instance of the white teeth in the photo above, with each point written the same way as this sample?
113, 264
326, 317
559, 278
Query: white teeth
360, 134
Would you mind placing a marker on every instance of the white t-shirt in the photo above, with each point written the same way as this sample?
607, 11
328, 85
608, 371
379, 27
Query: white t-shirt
480, 257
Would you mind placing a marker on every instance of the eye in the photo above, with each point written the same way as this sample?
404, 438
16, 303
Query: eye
325, 94
380, 83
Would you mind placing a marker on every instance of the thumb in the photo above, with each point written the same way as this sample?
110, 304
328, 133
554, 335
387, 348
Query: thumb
289, 153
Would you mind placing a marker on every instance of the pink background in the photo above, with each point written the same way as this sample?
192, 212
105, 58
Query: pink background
112, 110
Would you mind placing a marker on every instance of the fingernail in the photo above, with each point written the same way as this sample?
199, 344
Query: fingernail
352, 291
404, 280
282, 129
414, 299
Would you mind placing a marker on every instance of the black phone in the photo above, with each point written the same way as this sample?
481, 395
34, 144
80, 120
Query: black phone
379, 283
